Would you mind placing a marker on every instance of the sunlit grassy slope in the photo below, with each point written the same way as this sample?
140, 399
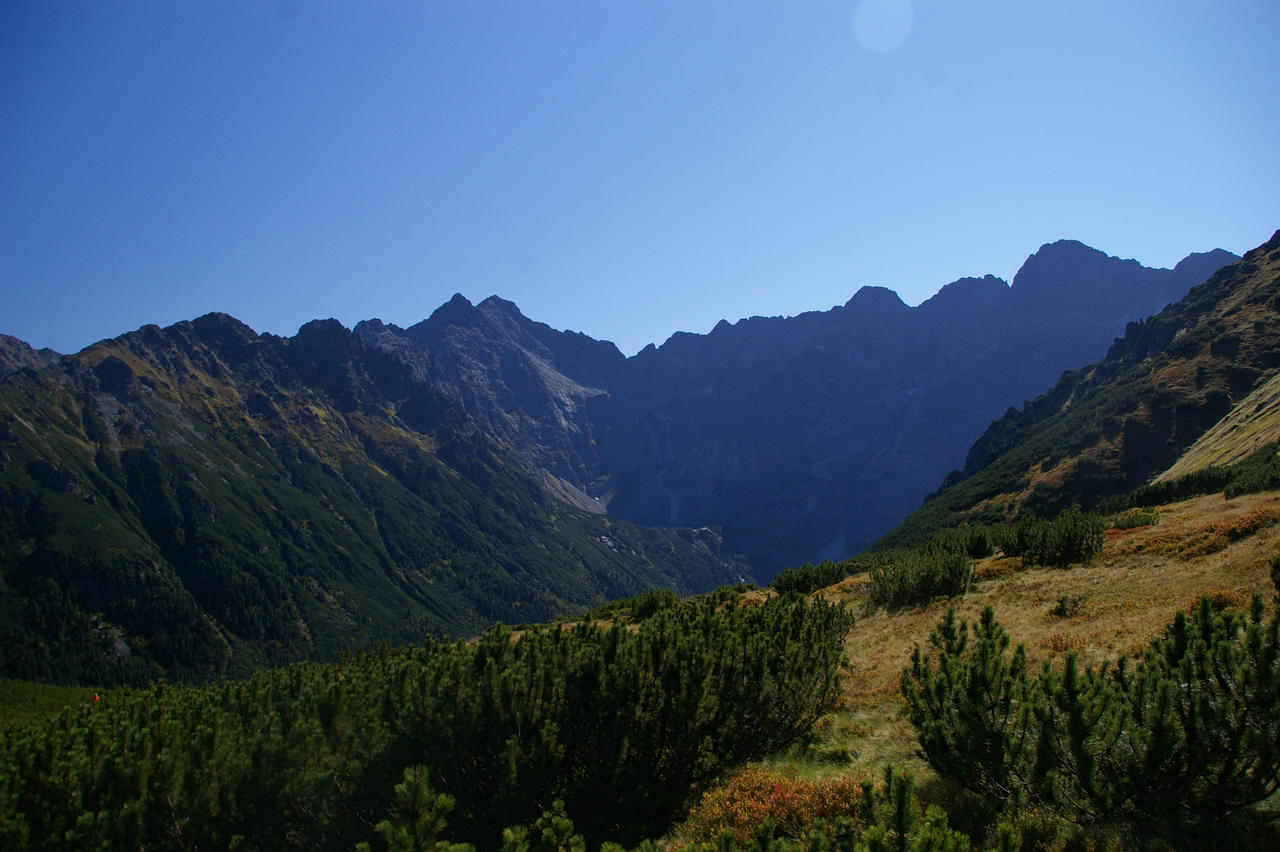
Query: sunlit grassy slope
1204, 546
1252, 424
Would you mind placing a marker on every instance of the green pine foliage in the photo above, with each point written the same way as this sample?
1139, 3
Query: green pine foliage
1131, 519
619, 724
1180, 742
1070, 536
419, 817
638, 607
901, 578
808, 578
25, 701
943, 567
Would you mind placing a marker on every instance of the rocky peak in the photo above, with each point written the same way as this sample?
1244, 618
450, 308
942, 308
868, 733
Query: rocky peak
968, 291
1060, 265
456, 311
220, 327
873, 299
1200, 265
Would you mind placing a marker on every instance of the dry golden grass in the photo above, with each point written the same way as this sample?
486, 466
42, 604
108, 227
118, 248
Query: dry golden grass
1114, 605
1252, 424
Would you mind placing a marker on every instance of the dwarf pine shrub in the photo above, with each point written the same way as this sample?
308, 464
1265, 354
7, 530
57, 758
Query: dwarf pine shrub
1186, 737
901, 578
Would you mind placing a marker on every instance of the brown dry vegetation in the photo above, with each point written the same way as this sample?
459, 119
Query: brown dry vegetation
1114, 605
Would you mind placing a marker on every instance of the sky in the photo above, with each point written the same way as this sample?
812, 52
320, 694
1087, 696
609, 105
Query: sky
624, 169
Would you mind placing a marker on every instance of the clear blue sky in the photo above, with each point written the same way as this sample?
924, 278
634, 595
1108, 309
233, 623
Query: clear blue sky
626, 169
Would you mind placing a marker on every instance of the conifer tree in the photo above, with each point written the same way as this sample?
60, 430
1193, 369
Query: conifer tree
974, 707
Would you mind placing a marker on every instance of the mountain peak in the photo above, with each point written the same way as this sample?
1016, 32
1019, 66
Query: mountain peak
875, 298
323, 328
223, 328
968, 289
1057, 264
456, 311
1202, 264
497, 304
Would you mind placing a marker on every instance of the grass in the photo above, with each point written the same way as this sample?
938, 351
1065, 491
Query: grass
1252, 424
1114, 605
23, 701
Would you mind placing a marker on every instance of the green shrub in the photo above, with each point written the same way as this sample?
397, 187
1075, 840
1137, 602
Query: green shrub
1188, 737
620, 724
1260, 472
638, 607
1071, 536
1133, 518
808, 578
903, 578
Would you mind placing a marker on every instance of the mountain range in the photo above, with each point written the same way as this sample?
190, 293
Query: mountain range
202, 499
802, 438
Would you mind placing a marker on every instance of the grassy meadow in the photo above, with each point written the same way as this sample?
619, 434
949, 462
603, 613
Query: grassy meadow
1110, 607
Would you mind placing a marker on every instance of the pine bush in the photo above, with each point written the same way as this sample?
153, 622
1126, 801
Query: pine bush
1187, 737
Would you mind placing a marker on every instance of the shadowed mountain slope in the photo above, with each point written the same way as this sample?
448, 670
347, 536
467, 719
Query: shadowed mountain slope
803, 437
1203, 366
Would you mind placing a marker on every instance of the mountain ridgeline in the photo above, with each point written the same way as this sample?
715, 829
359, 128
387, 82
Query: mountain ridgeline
202, 499
802, 438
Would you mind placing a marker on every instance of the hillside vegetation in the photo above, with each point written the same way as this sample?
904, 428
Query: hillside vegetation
1251, 425
1112, 606
616, 724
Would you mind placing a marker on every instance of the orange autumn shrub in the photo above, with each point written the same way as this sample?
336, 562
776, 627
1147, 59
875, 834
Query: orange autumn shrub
792, 803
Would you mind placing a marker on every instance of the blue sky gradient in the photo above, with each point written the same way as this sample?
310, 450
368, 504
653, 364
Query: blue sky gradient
625, 169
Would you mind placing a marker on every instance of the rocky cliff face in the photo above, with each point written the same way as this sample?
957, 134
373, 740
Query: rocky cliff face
802, 437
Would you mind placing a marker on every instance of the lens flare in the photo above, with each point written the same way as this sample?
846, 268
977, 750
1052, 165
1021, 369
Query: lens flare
880, 26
